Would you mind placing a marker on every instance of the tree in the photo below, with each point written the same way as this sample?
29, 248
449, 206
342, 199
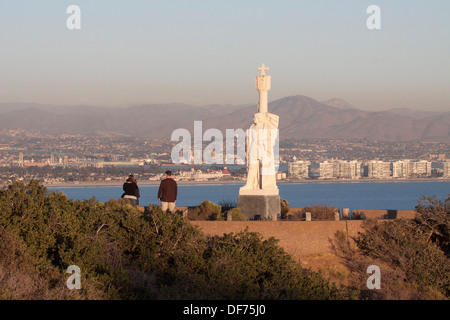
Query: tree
434, 218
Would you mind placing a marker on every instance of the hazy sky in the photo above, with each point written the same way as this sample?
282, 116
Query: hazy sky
207, 51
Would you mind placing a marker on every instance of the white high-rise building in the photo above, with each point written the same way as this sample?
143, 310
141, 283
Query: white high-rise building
400, 169
327, 170
334, 169
408, 168
447, 169
20, 159
349, 169
299, 169
421, 168
378, 169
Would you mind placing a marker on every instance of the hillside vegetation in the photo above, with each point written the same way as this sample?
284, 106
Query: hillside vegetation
413, 255
126, 254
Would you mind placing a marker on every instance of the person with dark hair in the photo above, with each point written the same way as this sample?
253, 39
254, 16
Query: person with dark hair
167, 193
131, 190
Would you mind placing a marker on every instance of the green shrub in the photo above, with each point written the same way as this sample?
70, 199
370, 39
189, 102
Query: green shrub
404, 246
206, 211
244, 266
412, 266
19, 278
212, 210
237, 215
284, 204
434, 218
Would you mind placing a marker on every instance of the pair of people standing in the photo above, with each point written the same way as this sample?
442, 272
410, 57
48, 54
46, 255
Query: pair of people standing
167, 192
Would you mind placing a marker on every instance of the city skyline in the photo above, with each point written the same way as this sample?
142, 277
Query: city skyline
204, 53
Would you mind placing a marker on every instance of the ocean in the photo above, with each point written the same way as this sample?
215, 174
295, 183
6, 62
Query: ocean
359, 195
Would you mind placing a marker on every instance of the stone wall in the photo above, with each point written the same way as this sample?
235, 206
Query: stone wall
298, 238
363, 214
384, 214
304, 240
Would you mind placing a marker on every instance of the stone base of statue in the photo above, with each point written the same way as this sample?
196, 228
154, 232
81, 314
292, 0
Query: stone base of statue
259, 204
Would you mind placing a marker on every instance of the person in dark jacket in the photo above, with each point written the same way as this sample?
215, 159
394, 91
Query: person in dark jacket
167, 193
131, 191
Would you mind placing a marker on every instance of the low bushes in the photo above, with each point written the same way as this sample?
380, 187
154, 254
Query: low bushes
237, 215
126, 254
319, 212
206, 211
284, 208
412, 254
434, 218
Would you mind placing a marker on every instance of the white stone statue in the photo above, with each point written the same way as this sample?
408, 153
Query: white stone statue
263, 85
261, 140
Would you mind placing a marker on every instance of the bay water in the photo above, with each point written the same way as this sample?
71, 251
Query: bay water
397, 195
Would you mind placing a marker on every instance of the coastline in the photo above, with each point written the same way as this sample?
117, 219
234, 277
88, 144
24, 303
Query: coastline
237, 182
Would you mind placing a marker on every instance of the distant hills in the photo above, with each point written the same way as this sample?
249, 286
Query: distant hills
300, 117
339, 103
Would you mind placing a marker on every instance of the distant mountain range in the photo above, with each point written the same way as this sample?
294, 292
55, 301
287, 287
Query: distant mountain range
339, 103
300, 117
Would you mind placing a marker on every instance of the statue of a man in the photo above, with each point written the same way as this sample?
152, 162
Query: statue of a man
261, 157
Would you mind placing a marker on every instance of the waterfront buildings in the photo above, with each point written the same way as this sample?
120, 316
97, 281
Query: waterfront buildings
328, 169
350, 169
340, 169
409, 169
378, 169
299, 170
446, 169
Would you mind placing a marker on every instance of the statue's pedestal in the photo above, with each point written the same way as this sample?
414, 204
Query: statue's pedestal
260, 204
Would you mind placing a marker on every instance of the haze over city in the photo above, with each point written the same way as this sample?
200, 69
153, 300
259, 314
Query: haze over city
207, 52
